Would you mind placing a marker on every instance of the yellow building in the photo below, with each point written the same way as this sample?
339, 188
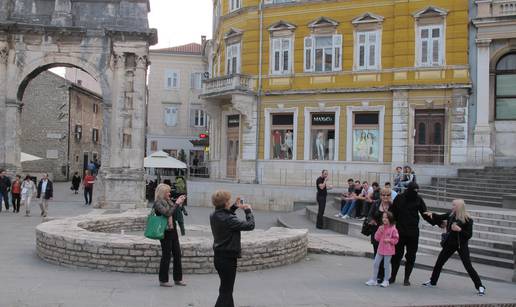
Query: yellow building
355, 87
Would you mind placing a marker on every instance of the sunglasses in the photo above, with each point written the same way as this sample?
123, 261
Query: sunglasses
386, 194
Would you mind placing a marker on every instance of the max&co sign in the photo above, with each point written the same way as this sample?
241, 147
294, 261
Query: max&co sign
323, 119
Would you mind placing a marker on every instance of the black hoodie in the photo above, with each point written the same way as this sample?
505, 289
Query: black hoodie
406, 209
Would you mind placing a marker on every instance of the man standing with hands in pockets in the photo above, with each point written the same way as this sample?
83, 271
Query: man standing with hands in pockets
322, 187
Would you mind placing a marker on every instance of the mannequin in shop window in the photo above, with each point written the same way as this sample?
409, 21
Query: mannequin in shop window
289, 143
319, 145
276, 140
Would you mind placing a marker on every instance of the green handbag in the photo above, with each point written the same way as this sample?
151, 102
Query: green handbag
156, 226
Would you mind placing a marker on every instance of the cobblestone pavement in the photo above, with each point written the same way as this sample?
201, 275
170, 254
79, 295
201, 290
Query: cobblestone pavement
318, 280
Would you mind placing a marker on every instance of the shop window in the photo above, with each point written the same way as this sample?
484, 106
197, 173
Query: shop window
323, 136
366, 136
282, 136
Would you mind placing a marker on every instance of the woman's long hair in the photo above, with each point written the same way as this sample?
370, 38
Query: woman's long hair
460, 211
161, 189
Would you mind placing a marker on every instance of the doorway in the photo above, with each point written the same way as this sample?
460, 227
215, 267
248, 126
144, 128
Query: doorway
429, 147
233, 144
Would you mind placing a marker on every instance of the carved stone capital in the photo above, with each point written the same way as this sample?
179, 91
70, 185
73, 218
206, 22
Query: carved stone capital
246, 107
4, 55
142, 61
117, 60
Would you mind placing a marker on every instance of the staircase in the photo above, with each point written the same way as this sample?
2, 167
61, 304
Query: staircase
479, 187
493, 232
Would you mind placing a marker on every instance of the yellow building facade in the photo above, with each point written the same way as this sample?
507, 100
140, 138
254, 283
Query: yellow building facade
356, 87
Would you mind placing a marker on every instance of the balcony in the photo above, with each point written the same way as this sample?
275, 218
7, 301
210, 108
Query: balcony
496, 8
222, 87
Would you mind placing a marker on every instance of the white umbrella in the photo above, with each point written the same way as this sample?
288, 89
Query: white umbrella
25, 157
161, 159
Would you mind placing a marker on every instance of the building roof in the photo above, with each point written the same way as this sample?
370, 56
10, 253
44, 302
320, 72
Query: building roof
192, 48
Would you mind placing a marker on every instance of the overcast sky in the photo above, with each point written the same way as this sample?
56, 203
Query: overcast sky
180, 22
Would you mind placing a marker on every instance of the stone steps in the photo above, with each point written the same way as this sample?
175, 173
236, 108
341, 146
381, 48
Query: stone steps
471, 187
467, 198
441, 189
480, 233
465, 194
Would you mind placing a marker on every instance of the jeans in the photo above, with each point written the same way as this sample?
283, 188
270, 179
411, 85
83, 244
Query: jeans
170, 247
26, 201
378, 259
446, 253
349, 207
16, 202
411, 243
226, 268
88, 191
381, 272
321, 201
5, 196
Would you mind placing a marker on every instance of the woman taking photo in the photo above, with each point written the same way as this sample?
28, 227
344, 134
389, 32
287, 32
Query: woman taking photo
374, 218
226, 228
459, 229
164, 206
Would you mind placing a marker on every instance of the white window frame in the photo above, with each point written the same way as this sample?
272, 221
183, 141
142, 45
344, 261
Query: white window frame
276, 46
196, 80
172, 75
200, 118
367, 54
349, 137
309, 53
233, 54
235, 5
430, 40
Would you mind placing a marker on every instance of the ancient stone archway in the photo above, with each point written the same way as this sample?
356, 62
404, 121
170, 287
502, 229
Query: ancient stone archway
109, 40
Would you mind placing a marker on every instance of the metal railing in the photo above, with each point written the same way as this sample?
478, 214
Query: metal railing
228, 83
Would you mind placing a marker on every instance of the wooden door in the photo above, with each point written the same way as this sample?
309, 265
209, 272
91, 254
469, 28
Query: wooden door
233, 145
429, 147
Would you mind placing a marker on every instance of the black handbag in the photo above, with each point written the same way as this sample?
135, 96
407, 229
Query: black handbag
367, 229
444, 238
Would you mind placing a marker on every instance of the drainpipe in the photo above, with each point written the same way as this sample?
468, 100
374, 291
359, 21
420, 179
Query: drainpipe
259, 93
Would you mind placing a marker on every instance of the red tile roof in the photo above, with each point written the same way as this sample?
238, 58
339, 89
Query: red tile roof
192, 48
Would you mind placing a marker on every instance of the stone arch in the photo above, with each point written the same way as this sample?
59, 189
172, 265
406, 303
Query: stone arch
498, 54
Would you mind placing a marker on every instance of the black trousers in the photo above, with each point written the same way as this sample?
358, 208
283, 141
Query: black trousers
411, 244
5, 196
226, 267
446, 253
88, 192
321, 201
170, 247
381, 271
16, 202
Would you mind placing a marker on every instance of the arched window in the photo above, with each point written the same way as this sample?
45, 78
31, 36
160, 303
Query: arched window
505, 106
437, 134
421, 137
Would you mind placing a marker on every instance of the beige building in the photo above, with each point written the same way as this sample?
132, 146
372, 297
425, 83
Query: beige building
175, 115
83, 79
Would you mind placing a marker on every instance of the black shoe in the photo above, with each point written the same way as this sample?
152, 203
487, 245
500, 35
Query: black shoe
406, 283
392, 280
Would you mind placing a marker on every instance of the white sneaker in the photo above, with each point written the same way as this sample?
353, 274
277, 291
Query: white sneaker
428, 284
385, 284
481, 291
338, 215
371, 282
346, 217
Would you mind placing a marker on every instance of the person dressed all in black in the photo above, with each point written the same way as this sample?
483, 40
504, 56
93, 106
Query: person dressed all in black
226, 228
163, 205
374, 218
76, 182
406, 209
322, 191
459, 229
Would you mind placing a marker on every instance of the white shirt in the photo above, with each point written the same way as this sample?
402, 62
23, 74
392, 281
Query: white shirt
43, 186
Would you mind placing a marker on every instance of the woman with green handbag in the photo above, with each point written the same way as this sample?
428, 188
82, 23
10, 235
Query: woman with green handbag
163, 206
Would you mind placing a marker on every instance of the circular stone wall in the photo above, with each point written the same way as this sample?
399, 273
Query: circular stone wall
95, 241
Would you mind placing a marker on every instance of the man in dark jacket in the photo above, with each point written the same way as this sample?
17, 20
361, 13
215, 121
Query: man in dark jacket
45, 192
226, 228
5, 186
406, 210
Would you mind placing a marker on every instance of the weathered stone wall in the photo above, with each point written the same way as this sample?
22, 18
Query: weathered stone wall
72, 242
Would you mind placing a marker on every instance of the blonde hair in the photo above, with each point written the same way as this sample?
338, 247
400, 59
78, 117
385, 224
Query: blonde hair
386, 191
460, 212
220, 198
161, 189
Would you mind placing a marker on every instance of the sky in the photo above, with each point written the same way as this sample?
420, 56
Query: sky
180, 22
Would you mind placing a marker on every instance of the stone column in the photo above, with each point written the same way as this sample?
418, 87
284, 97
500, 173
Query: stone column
121, 182
62, 15
4, 52
12, 136
459, 127
215, 112
400, 128
247, 106
482, 151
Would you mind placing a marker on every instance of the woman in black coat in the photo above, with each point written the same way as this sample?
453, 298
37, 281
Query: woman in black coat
76, 182
459, 229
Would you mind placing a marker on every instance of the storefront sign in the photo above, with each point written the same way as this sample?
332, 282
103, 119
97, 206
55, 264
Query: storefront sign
233, 120
323, 119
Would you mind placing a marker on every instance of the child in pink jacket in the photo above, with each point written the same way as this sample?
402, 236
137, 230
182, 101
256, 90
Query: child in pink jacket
387, 237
